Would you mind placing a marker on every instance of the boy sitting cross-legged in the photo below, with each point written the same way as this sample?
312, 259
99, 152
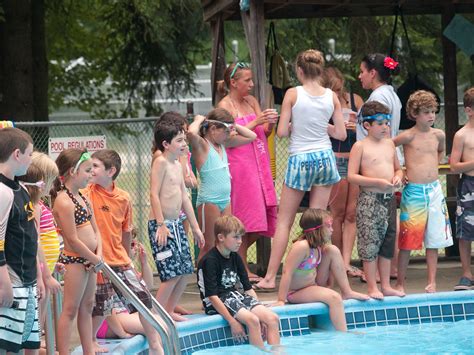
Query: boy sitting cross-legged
222, 275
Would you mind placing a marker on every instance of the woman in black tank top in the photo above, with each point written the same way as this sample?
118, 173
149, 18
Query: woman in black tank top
342, 202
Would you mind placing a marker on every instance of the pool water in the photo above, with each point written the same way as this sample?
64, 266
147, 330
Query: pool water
447, 337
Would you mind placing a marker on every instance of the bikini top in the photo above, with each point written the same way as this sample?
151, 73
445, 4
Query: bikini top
81, 215
310, 263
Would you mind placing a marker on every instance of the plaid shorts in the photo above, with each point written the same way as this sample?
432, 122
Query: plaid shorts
106, 294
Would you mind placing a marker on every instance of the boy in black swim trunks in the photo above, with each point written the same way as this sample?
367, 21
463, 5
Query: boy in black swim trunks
19, 327
221, 275
462, 161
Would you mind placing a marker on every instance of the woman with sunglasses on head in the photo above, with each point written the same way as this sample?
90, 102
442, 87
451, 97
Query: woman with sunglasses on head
376, 72
209, 136
82, 246
253, 196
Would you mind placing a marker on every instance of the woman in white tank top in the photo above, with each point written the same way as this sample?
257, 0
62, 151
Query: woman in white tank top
305, 113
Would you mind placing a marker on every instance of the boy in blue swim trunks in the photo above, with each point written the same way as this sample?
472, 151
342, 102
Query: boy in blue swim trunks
225, 288
462, 161
169, 243
423, 213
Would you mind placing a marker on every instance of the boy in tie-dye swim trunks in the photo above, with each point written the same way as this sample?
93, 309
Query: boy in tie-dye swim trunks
423, 213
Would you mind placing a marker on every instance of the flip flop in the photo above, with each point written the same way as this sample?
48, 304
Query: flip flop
254, 280
257, 288
354, 272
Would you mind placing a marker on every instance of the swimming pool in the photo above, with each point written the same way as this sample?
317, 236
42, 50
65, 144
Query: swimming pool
206, 332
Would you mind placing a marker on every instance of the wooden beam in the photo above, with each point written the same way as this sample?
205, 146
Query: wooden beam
217, 7
254, 27
451, 119
218, 56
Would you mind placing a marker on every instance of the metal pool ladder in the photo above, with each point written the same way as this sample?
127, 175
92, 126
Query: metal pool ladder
163, 324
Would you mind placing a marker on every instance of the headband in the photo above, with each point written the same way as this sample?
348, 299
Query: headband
305, 231
84, 156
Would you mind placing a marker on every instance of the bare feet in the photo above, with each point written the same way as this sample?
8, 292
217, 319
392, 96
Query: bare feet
181, 310
177, 317
389, 291
376, 294
264, 284
431, 288
99, 349
400, 288
355, 295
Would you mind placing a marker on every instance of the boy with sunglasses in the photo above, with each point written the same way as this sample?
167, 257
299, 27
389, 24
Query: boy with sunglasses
424, 216
113, 211
374, 166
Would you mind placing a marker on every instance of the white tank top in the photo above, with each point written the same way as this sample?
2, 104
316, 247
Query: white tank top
309, 121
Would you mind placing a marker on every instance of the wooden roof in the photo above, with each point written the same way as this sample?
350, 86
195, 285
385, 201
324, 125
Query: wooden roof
284, 9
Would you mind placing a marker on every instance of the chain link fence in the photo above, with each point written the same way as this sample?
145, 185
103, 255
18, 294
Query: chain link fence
132, 139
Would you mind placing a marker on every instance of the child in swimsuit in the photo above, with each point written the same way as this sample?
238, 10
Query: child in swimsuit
82, 246
308, 265
208, 138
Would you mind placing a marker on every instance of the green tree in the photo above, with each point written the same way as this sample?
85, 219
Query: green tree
131, 51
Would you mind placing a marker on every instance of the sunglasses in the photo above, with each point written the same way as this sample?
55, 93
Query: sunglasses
84, 156
238, 65
228, 126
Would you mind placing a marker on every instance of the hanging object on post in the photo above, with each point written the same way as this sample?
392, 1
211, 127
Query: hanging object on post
414, 81
278, 74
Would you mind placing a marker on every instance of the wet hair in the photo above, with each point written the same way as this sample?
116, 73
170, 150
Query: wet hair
217, 114
419, 101
110, 158
65, 161
170, 117
311, 63
468, 99
331, 78
224, 85
12, 139
165, 131
376, 61
226, 225
314, 218
42, 168
371, 108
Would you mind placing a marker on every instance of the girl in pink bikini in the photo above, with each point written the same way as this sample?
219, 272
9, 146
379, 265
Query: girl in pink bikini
308, 265
253, 196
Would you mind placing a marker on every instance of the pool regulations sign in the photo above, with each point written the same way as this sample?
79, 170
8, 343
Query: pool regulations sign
91, 143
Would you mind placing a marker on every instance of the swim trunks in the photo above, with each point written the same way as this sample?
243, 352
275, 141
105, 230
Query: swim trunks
174, 259
313, 168
424, 218
19, 327
376, 220
105, 296
234, 301
465, 208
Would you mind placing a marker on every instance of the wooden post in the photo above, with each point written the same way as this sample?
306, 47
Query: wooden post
254, 27
450, 112
218, 56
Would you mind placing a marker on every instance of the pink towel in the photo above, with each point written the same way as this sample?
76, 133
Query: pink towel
253, 196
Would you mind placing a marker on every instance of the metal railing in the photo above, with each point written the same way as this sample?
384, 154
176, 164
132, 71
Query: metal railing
164, 325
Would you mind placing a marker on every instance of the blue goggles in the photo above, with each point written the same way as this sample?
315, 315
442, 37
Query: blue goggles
377, 117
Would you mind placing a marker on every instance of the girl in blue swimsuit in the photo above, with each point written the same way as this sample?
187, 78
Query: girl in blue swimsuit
209, 136
308, 265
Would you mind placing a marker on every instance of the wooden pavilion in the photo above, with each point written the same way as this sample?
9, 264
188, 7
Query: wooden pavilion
253, 20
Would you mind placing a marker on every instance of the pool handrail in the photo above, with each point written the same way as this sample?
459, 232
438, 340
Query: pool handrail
164, 325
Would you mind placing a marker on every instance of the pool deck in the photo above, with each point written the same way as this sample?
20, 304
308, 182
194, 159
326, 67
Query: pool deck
449, 272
